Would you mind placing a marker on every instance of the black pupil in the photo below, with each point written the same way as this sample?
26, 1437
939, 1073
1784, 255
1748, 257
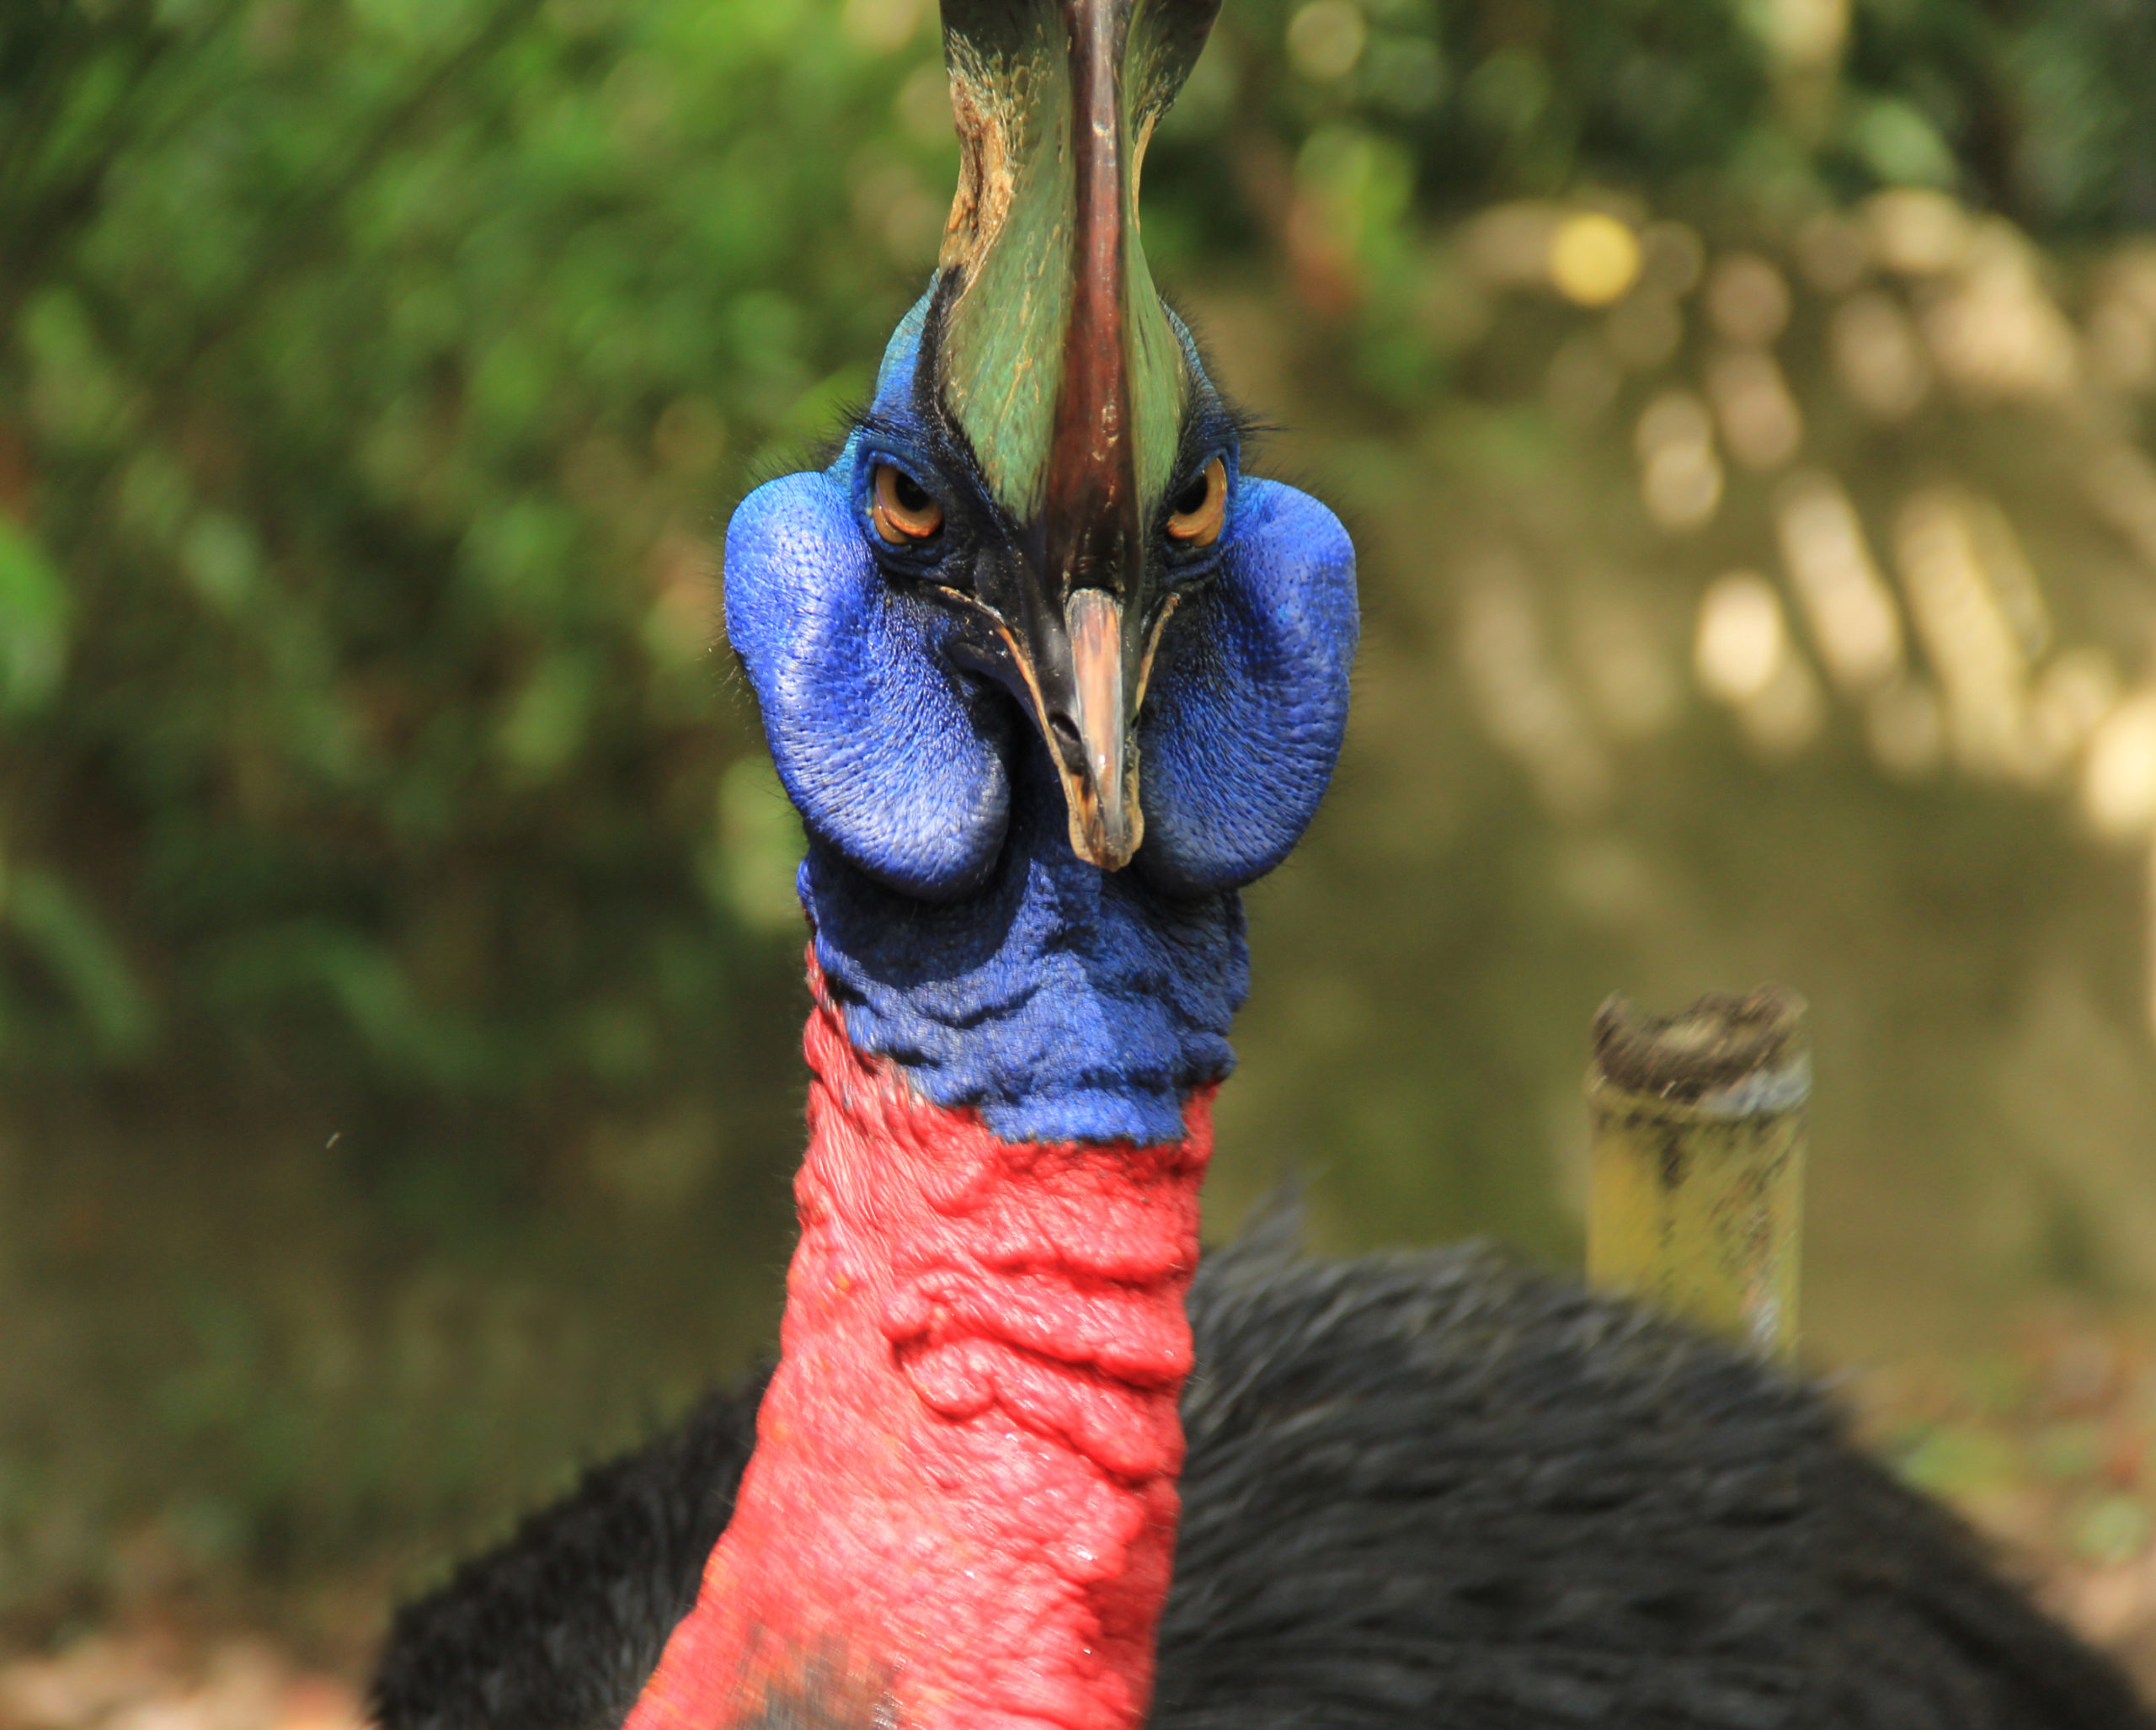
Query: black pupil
1193, 497
912, 496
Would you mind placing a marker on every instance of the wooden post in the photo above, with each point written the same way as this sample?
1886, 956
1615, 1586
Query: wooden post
1696, 1189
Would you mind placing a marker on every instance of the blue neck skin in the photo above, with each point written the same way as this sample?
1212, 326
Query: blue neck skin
1065, 1002
960, 934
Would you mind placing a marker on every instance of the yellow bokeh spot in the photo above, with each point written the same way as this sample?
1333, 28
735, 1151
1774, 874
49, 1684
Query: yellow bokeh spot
1593, 258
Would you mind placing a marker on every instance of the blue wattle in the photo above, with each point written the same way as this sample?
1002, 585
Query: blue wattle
887, 754
1065, 1002
1248, 702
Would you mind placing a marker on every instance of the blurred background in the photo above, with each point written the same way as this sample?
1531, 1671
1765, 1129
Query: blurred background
1742, 408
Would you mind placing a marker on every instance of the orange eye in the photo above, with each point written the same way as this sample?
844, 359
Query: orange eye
1195, 513
904, 510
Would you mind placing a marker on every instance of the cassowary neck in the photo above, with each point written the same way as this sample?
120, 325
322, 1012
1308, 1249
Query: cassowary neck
961, 1512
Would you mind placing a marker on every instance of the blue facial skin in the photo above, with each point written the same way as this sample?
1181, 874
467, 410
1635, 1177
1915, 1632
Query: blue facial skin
964, 938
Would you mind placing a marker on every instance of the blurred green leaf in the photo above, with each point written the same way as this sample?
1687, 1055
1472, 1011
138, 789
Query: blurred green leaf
545, 722
2113, 1529
61, 929
1901, 147
221, 560
34, 620
1958, 1461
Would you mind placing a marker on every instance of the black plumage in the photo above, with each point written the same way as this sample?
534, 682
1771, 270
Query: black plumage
1432, 1489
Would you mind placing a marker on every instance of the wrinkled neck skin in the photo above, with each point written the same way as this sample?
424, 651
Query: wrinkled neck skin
961, 1511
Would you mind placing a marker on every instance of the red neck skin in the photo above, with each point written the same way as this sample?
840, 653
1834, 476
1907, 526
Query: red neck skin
961, 1511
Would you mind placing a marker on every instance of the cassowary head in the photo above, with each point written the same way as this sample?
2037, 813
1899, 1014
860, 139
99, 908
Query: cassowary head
1040, 535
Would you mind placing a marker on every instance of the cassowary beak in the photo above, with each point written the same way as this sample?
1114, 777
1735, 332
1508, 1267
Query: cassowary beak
1074, 672
1055, 357
1102, 786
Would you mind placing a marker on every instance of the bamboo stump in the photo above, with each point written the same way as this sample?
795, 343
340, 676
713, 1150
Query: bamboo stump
1696, 1189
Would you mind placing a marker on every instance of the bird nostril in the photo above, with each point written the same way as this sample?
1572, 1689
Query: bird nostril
1063, 731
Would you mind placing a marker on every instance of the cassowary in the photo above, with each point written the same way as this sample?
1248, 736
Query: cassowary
1050, 677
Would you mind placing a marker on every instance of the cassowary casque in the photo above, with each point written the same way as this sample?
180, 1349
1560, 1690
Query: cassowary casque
1050, 677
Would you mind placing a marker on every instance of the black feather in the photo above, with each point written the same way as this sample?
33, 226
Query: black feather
1422, 1490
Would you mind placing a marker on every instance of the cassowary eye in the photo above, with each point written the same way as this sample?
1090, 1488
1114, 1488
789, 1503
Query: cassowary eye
904, 511
1195, 513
